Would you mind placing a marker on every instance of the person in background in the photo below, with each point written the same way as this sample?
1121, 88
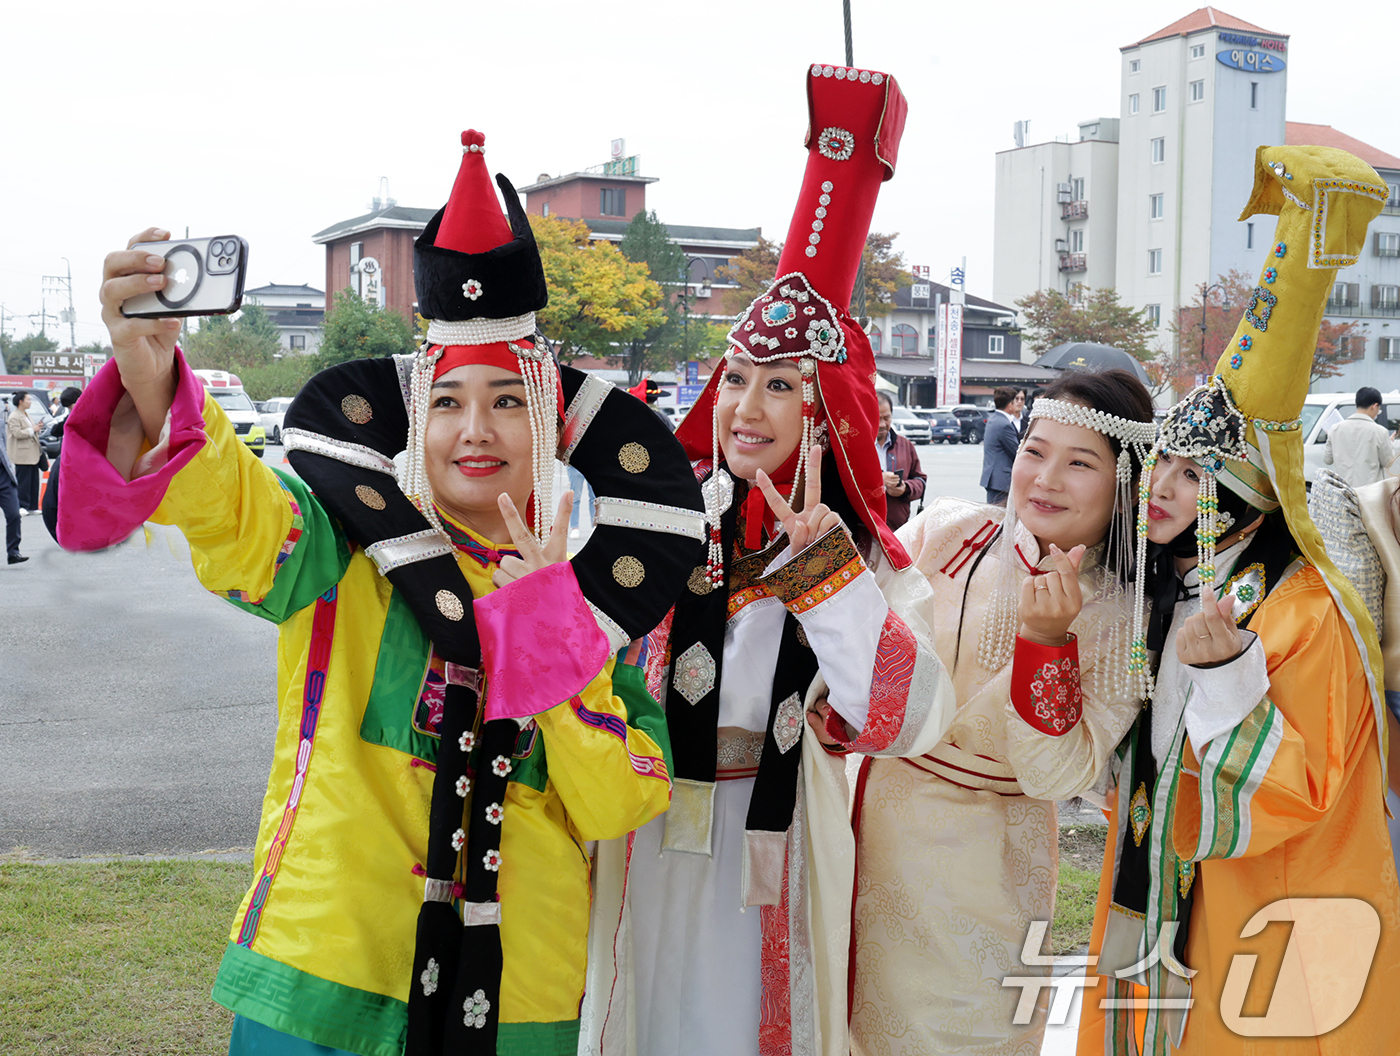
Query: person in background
1360, 447
24, 451
999, 443
9, 503
904, 479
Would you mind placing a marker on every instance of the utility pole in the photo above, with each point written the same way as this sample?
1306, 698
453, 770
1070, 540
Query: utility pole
63, 284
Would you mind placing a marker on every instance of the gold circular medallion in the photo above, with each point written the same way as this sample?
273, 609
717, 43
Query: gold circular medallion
628, 571
699, 581
369, 497
634, 457
818, 565
357, 409
449, 605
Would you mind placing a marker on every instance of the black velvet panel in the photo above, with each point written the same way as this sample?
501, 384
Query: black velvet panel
511, 276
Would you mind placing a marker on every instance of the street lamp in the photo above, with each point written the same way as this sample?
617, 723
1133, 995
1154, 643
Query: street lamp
1206, 291
705, 288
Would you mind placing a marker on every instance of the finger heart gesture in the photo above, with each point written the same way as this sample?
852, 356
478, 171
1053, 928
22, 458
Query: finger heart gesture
815, 520
533, 556
1210, 636
1050, 602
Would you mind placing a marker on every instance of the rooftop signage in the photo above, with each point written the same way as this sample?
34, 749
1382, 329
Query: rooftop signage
1252, 61
1253, 42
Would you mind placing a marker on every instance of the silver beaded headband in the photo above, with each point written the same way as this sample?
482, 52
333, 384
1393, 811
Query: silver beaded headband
536, 366
999, 621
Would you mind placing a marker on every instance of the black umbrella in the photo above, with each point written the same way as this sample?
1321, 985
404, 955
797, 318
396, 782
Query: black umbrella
1085, 355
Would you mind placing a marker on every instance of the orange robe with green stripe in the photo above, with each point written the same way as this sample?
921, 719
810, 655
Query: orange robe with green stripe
1288, 805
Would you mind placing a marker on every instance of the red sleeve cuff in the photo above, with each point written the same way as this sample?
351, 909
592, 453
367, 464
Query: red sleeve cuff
1045, 688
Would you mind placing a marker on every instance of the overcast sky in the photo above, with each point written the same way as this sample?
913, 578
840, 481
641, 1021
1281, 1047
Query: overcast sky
275, 120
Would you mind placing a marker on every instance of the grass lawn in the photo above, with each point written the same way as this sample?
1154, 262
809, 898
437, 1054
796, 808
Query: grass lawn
118, 958
115, 959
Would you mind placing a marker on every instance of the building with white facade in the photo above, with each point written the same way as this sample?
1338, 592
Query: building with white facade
1196, 98
1057, 214
296, 311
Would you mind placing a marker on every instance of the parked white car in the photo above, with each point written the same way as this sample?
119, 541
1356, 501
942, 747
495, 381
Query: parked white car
272, 412
1323, 410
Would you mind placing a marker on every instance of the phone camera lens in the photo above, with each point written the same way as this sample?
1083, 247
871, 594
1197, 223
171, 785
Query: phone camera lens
217, 248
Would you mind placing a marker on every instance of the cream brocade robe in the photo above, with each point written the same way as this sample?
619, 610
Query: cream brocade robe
948, 877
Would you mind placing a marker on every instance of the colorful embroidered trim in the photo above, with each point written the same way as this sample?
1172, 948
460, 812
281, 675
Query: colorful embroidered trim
317, 664
1045, 686
893, 672
483, 554
613, 724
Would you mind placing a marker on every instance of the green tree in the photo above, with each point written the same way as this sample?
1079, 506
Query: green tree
282, 378
1097, 316
660, 346
222, 343
356, 330
598, 299
17, 351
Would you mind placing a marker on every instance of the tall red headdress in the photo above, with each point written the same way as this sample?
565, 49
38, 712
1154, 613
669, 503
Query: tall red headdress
856, 118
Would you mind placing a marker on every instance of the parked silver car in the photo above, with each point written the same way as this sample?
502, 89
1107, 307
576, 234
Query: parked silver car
272, 412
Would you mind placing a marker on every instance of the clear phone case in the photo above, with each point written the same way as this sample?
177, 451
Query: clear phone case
205, 278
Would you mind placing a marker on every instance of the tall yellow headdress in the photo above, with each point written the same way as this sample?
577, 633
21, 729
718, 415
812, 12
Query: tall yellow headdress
1243, 426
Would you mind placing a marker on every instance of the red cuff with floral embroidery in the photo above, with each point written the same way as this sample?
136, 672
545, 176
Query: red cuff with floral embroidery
1045, 687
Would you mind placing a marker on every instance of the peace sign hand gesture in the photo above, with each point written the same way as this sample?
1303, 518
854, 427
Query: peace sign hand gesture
1210, 636
1050, 602
533, 556
815, 520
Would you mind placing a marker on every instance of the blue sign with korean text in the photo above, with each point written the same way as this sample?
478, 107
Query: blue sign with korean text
688, 394
1251, 61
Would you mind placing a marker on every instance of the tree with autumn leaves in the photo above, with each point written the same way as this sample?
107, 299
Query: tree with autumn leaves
755, 269
598, 299
1201, 331
1051, 318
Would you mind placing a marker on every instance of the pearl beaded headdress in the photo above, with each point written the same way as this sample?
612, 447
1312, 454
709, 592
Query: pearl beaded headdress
1205, 426
1000, 620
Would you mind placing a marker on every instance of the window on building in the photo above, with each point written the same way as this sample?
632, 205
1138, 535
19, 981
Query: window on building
1159, 99
1154, 262
1198, 91
357, 250
932, 339
1076, 240
1254, 95
1156, 207
1153, 314
612, 201
1198, 51
1076, 294
1249, 236
996, 345
296, 341
1388, 243
1393, 202
1133, 103
1385, 296
904, 340
544, 209
875, 339
1077, 188
1134, 65
1159, 150
1389, 348
1344, 295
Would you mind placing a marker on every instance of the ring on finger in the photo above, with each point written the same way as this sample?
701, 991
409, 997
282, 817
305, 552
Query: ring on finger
1202, 637
1041, 583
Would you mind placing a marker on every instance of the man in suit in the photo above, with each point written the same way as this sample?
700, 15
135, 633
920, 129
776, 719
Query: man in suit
1359, 447
9, 503
904, 478
999, 443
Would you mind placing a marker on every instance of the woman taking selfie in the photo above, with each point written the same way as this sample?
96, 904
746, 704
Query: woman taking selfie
452, 722
805, 611
957, 849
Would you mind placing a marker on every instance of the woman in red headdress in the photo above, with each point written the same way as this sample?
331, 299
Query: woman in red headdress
804, 613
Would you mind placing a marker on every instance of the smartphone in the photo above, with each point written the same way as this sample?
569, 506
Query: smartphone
898, 473
205, 278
